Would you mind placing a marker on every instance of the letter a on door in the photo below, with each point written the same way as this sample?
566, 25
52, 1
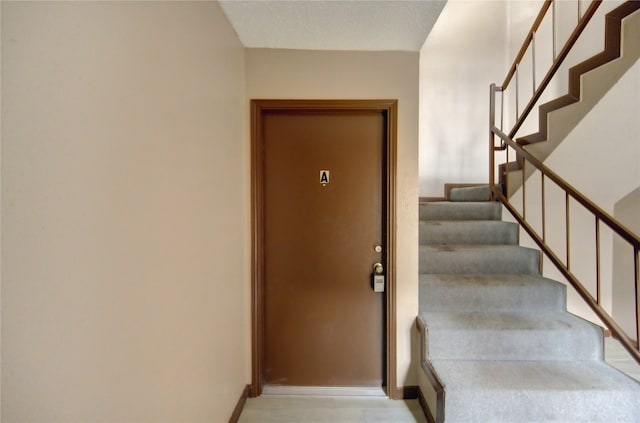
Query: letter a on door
324, 176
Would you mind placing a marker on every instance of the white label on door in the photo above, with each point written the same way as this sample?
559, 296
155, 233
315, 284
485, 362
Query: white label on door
378, 283
324, 177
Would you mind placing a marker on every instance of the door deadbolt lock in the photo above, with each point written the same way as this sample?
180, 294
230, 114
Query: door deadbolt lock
377, 278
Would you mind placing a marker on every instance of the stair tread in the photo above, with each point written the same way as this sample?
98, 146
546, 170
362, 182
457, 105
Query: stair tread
549, 375
506, 320
489, 279
455, 211
472, 232
500, 335
482, 259
537, 391
506, 292
478, 222
457, 202
472, 247
467, 194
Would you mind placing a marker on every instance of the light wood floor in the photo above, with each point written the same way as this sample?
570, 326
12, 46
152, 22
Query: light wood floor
271, 409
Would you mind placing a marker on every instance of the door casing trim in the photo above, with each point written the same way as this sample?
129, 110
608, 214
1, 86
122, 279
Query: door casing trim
259, 106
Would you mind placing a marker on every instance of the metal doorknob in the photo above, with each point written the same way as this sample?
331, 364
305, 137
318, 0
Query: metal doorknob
378, 269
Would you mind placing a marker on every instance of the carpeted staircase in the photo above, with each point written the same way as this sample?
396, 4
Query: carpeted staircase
498, 343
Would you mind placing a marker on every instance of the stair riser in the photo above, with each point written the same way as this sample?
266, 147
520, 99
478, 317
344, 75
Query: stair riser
536, 391
479, 193
460, 211
478, 233
542, 406
520, 345
442, 296
441, 261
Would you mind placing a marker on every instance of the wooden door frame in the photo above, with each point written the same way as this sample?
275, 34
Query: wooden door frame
389, 108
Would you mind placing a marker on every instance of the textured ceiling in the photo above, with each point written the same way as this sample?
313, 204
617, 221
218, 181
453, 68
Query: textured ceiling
333, 25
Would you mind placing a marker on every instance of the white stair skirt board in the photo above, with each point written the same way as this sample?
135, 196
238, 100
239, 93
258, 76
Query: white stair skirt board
324, 391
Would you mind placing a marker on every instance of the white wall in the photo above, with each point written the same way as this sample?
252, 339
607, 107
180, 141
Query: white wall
464, 53
601, 158
125, 213
623, 306
521, 15
361, 75
472, 45
0, 219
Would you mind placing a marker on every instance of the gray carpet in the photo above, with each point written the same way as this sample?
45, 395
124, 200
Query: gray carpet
498, 334
480, 193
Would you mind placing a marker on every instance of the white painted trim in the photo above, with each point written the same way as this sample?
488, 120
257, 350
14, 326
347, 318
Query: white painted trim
324, 391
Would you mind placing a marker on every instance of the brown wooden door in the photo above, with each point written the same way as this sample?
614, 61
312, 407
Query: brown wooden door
323, 324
